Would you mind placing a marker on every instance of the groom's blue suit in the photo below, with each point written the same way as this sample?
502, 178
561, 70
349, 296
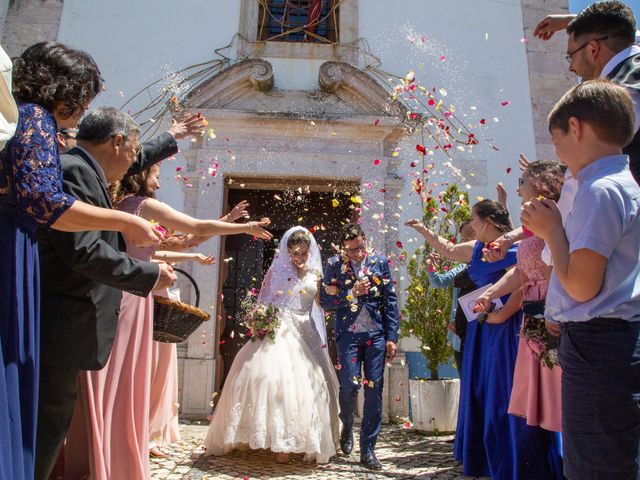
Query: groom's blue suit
364, 347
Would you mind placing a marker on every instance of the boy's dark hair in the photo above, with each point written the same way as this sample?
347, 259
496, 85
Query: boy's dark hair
352, 231
611, 19
605, 106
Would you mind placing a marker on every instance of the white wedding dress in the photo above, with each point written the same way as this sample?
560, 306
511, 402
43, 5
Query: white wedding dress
281, 395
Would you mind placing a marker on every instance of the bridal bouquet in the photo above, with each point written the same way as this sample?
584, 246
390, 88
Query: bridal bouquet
263, 321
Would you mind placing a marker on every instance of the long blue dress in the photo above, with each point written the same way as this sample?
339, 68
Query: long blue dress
489, 441
30, 196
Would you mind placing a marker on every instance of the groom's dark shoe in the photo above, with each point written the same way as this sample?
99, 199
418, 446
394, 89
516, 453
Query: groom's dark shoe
346, 441
369, 460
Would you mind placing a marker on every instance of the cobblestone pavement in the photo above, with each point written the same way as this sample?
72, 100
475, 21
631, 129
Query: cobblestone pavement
405, 454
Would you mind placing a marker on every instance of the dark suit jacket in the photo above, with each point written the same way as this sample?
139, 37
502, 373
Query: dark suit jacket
381, 302
83, 274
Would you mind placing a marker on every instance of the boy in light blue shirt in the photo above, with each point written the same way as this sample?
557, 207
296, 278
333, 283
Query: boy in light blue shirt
594, 292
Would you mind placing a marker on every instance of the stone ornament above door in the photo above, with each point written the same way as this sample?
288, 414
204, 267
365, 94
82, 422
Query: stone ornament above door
344, 91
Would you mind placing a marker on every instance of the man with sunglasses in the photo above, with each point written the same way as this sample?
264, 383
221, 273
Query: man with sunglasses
601, 43
358, 288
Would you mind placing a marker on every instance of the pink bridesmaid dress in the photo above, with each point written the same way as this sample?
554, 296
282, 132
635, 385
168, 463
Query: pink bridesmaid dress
110, 439
536, 391
163, 414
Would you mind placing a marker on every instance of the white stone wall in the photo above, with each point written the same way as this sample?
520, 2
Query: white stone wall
28, 22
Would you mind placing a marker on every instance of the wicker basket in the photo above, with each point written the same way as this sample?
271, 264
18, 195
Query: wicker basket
174, 321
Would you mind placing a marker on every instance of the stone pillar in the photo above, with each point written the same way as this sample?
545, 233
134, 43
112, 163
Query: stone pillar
549, 75
28, 22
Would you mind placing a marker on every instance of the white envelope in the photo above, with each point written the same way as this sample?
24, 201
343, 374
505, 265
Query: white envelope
469, 300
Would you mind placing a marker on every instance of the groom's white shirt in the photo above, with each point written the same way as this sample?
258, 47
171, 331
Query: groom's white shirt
363, 322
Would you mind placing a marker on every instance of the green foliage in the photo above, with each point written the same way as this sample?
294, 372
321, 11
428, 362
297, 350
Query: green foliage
427, 310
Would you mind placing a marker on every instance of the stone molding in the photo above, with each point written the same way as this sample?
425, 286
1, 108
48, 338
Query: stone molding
28, 22
236, 82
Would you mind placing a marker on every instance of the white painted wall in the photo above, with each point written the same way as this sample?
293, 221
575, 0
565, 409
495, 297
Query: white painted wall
137, 42
484, 64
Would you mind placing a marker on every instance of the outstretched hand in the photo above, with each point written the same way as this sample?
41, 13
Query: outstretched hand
192, 126
502, 194
552, 24
256, 229
203, 259
498, 249
415, 224
238, 211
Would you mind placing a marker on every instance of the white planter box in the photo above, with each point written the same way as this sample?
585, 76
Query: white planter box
434, 404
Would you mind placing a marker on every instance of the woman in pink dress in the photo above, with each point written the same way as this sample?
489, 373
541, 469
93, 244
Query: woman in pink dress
116, 399
536, 391
163, 412
164, 406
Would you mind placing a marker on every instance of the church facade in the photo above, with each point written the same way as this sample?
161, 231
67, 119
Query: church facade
301, 121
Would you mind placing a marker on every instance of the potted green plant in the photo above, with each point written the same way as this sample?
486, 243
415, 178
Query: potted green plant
426, 314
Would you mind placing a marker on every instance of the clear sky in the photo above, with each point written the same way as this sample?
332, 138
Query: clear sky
576, 5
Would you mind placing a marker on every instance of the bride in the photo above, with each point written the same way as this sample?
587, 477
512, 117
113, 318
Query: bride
282, 395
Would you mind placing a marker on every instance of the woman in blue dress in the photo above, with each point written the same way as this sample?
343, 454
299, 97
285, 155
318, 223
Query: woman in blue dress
53, 85
490, 442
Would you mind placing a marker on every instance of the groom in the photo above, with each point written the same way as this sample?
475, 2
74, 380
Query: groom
359, 290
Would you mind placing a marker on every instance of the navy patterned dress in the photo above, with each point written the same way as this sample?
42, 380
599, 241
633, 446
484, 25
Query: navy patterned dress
31, 196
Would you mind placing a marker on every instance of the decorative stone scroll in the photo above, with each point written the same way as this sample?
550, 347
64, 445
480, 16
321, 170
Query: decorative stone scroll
355, 87
234, 83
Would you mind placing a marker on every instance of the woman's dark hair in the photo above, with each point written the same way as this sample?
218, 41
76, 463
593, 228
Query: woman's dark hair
52, 74
131, 185
546, 178
495, 213
299, 237
351, 231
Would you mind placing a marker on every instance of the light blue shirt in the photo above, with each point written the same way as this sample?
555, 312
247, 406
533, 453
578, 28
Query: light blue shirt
444, 280
604, 219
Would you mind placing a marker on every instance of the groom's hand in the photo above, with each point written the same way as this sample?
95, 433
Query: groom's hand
361, 287
391, 350
331, 289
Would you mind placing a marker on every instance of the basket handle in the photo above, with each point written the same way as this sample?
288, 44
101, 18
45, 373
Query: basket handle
193, 282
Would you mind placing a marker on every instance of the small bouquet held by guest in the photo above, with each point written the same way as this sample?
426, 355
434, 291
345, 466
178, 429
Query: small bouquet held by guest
262, 321
534, 332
